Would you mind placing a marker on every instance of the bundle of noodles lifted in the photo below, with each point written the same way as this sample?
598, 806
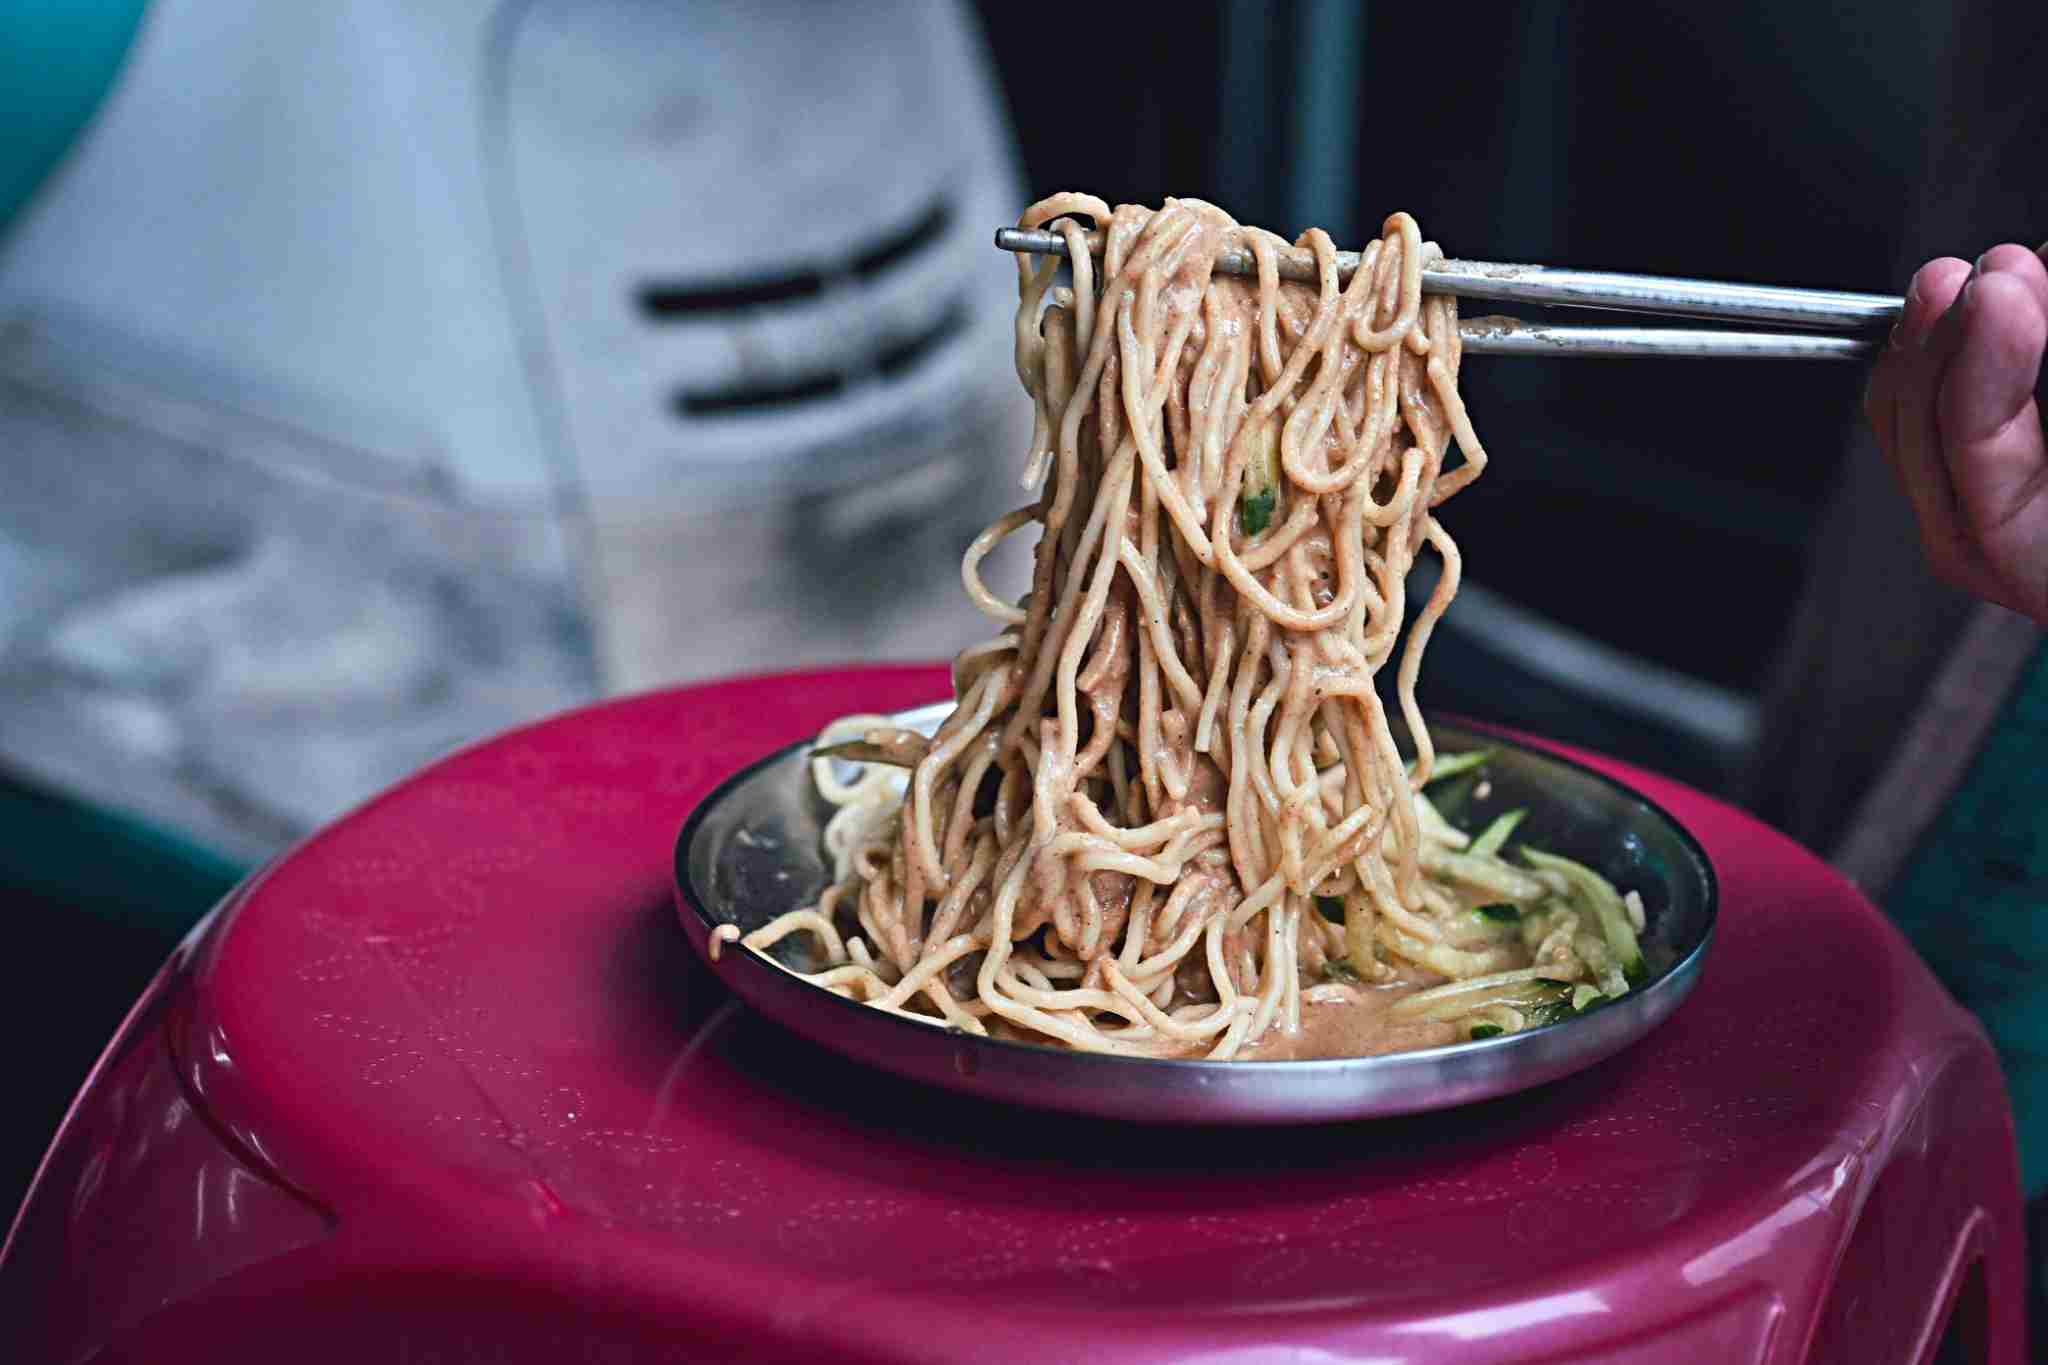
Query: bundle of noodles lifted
1166, 816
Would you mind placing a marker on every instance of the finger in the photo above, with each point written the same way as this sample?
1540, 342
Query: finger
1900, 364
1928, 298
1914, 364
2017, 263
2031, 269
1988, 383
1990, 423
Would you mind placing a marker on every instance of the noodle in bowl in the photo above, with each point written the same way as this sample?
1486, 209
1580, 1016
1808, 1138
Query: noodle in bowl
1167, 815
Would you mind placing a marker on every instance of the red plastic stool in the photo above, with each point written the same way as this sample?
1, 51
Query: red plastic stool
448, 1078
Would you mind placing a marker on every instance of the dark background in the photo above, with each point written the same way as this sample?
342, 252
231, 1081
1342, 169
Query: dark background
1643, 502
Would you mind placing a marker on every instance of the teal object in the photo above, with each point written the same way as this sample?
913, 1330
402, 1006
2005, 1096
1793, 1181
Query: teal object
1974, 901
58, 59
123, 873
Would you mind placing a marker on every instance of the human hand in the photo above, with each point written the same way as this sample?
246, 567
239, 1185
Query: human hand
1954, 406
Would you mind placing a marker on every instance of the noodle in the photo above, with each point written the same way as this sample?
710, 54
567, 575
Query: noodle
1173, 758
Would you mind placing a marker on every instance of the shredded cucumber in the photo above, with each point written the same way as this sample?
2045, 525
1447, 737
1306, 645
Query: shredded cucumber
1495, 835
1534, 902
1261, 483
1255, 511
1497, 879
1450, 765
1598, 895
1434, 826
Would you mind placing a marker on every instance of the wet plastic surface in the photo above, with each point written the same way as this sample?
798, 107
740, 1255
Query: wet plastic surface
448, 1075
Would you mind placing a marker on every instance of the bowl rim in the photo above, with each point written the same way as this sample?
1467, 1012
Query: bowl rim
1677, 977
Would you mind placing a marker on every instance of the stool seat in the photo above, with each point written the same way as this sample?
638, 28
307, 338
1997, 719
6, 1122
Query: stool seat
447, 1075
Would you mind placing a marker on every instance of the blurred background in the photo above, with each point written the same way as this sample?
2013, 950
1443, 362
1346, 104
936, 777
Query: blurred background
374, 377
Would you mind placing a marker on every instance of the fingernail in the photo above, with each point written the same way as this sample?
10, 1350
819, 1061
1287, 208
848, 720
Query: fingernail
1892, 341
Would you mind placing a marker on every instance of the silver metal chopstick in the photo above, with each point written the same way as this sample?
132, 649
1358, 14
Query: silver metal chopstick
1512, 336
1652, 294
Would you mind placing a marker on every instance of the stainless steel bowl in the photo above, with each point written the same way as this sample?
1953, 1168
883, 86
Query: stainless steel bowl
752, 850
